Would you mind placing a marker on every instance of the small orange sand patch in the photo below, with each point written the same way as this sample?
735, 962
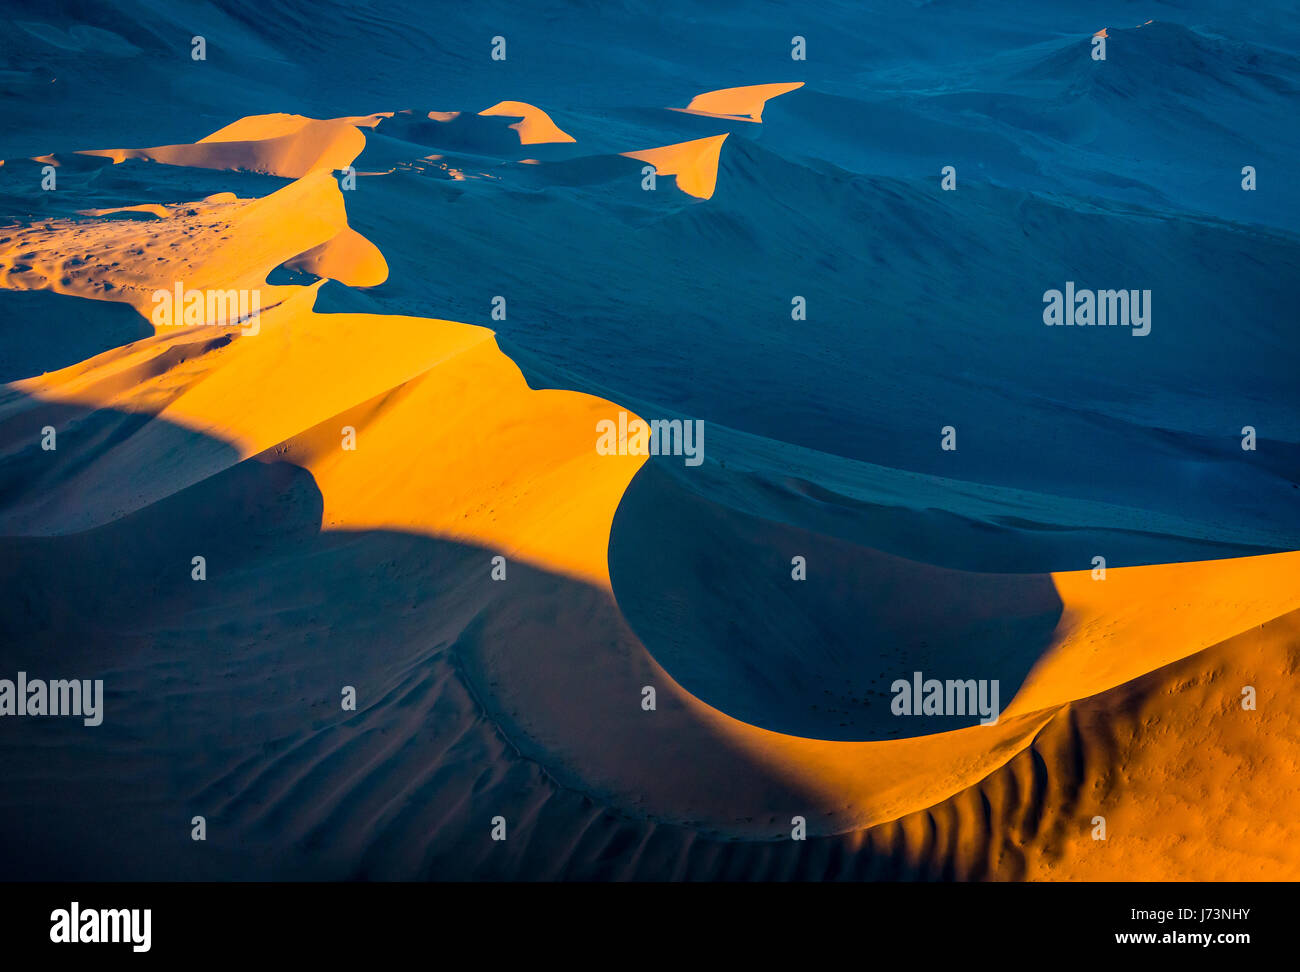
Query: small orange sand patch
695, 163
738, 104
534, 127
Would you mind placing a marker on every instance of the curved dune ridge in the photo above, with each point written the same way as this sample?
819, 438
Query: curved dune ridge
456, 450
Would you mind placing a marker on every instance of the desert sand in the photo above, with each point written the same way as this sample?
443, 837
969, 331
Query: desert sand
352, 468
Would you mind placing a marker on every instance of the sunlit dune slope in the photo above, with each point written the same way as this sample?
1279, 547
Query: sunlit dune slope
1139, 619
220, 243
467, 451
504, 487
253, 128
534, 127
289, 146
349, 258
738, 104
694, 163
1187, 782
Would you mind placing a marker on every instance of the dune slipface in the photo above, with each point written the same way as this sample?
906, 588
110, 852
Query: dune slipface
402, 472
